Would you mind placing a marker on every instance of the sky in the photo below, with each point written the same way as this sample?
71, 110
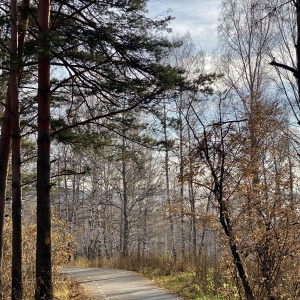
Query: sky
198, 17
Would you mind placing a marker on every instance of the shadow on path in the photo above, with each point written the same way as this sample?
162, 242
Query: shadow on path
111, 284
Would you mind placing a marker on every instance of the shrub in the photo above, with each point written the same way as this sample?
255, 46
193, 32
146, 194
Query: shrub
62, 249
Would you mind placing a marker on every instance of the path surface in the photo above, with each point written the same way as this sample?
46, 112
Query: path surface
110, 284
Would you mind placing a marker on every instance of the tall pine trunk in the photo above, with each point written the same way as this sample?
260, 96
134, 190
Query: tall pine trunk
4, 154
17, 290
5, 139
43, 243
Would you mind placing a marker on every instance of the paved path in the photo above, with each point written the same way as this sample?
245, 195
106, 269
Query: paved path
111, 284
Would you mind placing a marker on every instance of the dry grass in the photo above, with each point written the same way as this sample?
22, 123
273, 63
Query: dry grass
180, 277
62, 246
71, 290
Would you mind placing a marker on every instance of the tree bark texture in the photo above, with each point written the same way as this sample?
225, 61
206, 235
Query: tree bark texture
17, 290
43, 243
181, 180
125, 246
4, 154
5, 140
167, 176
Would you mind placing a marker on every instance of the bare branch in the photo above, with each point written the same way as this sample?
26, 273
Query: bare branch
285, 67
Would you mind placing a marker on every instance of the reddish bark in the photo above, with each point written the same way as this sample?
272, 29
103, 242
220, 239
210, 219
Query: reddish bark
6, 127
4, 154
43, 244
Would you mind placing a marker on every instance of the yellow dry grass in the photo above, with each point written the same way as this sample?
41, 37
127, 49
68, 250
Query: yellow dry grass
62, 249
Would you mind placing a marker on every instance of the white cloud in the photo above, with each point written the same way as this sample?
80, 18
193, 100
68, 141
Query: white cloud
198, 17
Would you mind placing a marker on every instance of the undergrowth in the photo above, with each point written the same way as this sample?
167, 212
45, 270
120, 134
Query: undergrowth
183, 277
62, 249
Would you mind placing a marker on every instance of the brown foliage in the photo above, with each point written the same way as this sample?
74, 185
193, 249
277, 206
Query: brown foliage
62, 250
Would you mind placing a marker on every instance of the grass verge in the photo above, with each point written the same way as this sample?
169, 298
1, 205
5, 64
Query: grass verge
179, 278
67, 289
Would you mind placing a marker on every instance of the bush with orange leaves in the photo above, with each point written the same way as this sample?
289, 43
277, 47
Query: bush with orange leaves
62, 249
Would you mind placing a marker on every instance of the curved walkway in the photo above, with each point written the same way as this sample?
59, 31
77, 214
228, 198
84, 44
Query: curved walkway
111, 284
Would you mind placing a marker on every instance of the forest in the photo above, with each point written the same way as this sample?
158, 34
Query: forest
125, 146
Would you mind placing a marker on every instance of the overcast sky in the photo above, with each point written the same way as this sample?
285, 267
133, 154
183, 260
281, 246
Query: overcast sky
198, 17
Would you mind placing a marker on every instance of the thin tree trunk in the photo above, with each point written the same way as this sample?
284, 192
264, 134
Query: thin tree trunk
224, 212
17, 289
291, 174
145, 232
125, 204
6, 127
181, 173
298, 47
139, 234
241, 271
171, 219
192, 204
4, 154
225, 221
43, 243
226, 225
